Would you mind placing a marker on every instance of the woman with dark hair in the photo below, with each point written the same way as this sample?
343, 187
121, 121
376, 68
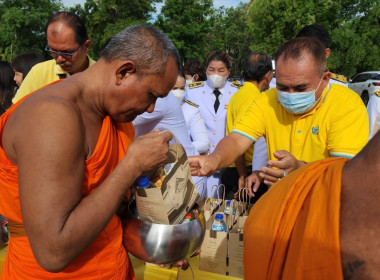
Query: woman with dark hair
194, 121
213, 96
22, 64
7, 85
194, 71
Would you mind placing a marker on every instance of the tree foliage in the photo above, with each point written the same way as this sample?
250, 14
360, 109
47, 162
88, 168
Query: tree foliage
197, 28
353, 28
229, 33
23, 25
105, 18
355, 43
187, 23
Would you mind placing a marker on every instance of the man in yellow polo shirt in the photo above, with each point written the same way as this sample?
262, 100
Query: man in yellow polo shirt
304, 119
68, 44
257, 74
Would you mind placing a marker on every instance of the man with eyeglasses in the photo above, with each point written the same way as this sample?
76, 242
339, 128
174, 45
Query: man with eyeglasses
303, 119
68, 44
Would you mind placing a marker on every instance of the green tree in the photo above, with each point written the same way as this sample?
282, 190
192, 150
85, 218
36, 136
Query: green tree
187, 24
105, 18
274, 22
22, 25
353, 27
355, 43
230, 33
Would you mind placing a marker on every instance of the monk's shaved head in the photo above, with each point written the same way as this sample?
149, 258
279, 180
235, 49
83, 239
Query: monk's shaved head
148, 47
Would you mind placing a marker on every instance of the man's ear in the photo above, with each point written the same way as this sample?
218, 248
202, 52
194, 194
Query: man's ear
326, 78
87, 45
125, 69
327, 51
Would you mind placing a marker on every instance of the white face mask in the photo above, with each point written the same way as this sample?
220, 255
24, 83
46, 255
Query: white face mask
216, 81
179, 93
188, 82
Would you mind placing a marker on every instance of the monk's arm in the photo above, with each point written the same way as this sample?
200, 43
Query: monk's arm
50, 151
360, 212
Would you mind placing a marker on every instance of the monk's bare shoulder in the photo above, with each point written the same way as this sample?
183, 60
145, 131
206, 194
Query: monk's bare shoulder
359, 215
42, 120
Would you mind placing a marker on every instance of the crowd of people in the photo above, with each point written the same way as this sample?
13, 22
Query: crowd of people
80, 132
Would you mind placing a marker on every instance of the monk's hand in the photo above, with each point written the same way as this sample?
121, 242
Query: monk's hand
150, 150
276, 170
184, 264
252, 182
203, 165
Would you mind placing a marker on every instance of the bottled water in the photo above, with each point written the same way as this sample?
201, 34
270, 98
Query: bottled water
144, 183
229, 209
219, 224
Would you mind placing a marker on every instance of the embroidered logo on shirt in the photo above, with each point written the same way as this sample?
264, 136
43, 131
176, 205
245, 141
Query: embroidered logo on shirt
315, 130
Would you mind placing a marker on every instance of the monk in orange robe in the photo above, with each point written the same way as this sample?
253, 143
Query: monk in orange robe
319, 222
67, 160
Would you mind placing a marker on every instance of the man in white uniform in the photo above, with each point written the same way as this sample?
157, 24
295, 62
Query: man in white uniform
373, 109
167, 115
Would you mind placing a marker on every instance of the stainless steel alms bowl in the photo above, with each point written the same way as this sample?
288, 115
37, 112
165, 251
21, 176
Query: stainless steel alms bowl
162, 244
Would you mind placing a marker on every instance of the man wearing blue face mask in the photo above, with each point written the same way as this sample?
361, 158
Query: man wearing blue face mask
304, 119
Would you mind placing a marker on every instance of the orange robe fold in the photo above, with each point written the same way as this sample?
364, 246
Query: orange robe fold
106, 257
292, 232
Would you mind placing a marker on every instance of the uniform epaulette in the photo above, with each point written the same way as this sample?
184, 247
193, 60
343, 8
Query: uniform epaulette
196, 84
191, 103
339, 78
236, 84
377, 93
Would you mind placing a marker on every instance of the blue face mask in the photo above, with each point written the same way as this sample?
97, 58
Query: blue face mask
298, 102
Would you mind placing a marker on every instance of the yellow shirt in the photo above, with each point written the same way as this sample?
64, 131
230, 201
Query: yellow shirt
40, 75
337, 126
237, 106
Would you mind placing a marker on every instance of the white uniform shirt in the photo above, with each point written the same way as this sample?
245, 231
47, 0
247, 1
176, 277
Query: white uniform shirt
215, 122
272, 83
260, 154
167, 115
196, 127
373, 109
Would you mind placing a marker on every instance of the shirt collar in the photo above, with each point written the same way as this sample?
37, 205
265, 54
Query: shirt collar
58, 69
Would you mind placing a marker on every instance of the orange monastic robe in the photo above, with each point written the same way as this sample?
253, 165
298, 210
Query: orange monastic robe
293, 230
106, 257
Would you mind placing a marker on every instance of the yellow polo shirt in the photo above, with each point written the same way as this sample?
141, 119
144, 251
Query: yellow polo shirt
337, 126
40, 75
237, 106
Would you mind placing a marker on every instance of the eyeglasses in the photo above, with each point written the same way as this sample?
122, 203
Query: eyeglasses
65, 55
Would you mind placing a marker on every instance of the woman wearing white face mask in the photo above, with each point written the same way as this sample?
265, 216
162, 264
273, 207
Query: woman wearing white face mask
213, 96
194, 71
194, 122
